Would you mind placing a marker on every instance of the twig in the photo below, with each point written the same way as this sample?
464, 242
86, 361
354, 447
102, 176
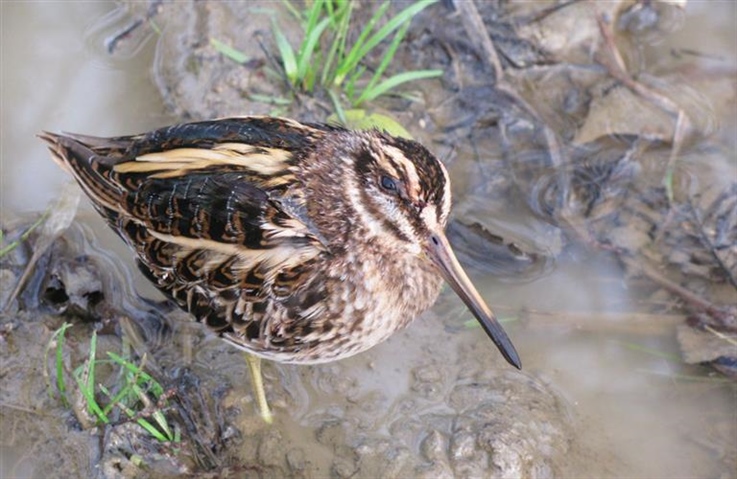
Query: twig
17, 407
479, 36
618, 70
543, 13
474, 25
678, 136
597, 321
113, 42
150, 408
725, 315
709, 245
276, 64
554, 148
720, 335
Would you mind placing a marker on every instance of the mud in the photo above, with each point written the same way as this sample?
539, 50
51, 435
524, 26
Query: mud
447, 413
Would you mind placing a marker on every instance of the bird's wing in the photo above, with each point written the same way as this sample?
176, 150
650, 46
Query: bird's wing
229, 181
213, 210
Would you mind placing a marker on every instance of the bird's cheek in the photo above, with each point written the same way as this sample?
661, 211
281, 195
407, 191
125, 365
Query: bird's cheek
416, 249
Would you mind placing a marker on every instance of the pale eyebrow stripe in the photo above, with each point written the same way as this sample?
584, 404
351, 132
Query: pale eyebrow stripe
410, 172
447, 200
382, 160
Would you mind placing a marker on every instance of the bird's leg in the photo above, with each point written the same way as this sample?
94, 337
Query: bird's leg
257, 382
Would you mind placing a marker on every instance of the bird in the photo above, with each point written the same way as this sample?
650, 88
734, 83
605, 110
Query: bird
295, 242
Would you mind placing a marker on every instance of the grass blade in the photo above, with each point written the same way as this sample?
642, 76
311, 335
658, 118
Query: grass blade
353, 57
388, 56
163, 424
117, 399
87, 385
338, 107
60, 382
289, 61
394, 81
10, 247
143, 423
157, 414
156, 388
292, 10
228, 51
152, 430
337, 45
268, 99
58, 336
361, 120
652, 352
312, 17
308, 47
350, 86
405, 15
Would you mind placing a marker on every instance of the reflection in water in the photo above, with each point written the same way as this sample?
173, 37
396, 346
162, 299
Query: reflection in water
53, 81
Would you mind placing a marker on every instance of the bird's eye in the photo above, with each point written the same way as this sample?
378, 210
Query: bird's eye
388, 183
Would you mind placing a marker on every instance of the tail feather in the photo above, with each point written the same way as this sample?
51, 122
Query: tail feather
88, 167
109, 150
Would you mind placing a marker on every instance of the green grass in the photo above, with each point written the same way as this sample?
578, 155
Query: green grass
23, 237
325, 59
57, 338
473, 323
134, 392
361, 120
228, 51
674, 358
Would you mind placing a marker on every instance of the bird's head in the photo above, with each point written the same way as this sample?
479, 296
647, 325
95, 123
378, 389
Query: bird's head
400, 193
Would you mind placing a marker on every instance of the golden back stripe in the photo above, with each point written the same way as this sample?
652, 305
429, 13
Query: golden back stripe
262, 161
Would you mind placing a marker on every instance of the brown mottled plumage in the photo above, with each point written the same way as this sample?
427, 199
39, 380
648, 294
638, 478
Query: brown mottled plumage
300, 243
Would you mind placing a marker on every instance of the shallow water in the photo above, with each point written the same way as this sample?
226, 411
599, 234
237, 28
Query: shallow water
53, 79
641, 414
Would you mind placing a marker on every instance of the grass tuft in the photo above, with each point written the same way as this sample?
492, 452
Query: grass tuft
325, 59
136, 393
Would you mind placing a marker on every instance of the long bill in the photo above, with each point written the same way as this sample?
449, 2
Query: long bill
439, 251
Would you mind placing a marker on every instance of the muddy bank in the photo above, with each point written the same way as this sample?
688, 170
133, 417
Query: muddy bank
447, 413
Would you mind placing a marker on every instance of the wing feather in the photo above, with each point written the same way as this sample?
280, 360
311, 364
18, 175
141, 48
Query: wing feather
215, 215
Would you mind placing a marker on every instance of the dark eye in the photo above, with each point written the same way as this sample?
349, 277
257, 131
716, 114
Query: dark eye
388, 184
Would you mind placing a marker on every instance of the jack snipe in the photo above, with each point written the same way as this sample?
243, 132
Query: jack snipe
301, 243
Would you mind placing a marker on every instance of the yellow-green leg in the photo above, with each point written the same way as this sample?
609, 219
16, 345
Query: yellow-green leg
257, 381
